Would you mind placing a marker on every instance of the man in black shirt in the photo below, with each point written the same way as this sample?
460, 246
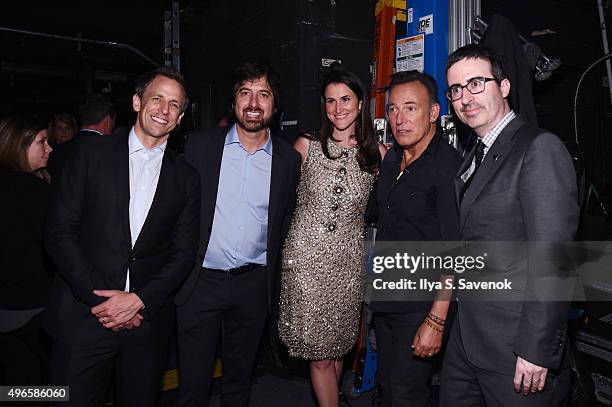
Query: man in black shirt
415, 201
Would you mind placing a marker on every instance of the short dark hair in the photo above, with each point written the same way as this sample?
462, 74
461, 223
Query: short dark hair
95, 108
400, 78
167, 71
476, 51
252, 70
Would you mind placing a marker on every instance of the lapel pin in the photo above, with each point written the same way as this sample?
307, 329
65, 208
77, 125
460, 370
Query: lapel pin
495, 157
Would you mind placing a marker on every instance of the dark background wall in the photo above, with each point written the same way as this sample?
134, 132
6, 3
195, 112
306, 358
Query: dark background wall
47, 75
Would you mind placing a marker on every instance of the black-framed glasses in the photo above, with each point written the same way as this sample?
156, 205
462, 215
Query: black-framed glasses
474, 86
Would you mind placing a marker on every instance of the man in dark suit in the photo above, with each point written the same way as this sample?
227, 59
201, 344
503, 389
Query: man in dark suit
97, 117
123, 234
249, 179
516, 185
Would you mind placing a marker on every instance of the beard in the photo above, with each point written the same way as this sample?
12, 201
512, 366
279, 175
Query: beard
253, 126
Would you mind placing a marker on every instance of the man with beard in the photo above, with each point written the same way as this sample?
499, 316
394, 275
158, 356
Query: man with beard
249, 178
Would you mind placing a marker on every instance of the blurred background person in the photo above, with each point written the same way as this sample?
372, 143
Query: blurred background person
62, 127
323, 258
97, 117
24, 278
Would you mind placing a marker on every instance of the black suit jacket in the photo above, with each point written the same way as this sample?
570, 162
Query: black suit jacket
61, 152
88, 235
524, 191
204, 150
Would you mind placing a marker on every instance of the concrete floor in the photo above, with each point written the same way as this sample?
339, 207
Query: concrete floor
279, 390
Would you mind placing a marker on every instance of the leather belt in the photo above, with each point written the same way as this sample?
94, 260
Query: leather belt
237, 270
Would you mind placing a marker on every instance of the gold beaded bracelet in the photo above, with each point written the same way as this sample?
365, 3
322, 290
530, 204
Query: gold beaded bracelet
436, 319
434, 326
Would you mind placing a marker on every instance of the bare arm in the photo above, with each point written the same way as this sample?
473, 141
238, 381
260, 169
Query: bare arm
301, 145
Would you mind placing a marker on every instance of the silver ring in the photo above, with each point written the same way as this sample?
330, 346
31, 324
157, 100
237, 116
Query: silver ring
536, 380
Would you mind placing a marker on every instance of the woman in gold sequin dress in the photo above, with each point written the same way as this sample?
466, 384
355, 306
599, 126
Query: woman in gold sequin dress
323, 257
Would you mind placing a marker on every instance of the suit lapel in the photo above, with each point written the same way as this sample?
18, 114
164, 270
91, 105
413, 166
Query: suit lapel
277, 171
495, 157
464, 167
160, 191
211, 166
121, 173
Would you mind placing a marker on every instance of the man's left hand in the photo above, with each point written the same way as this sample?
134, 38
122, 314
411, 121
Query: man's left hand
119, 308
529, 377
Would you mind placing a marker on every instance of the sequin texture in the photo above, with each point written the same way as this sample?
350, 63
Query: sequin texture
323, 256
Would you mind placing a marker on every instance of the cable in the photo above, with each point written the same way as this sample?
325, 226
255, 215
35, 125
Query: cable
603, 58
577, 139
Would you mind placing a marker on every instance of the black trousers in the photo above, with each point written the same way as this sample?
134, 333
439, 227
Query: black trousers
465, 385
236, 307
136, 357
404, 378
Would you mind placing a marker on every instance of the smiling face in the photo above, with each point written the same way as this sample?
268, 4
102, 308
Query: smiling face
254, 105
342, 106
159, 110
411, 115
38, 152
484, 110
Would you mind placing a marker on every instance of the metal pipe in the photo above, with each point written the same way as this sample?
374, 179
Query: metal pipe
81, 40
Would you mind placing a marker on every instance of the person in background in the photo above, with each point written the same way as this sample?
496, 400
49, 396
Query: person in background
62, 127
97, 117
323, 257
24, 277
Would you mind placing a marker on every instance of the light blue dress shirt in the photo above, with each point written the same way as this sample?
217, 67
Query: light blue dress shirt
240, 225
145, 166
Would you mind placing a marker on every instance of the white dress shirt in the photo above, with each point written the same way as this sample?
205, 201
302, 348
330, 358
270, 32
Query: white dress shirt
145, 166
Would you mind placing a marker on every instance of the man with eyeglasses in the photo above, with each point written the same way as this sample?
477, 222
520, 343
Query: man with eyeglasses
517, 184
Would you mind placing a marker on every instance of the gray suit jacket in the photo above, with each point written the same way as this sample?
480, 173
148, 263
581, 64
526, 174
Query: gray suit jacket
524, 190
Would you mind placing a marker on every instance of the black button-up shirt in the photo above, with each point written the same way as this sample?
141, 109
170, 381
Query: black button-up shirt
419, 206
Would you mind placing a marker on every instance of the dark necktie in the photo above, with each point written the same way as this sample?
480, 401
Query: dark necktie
480, 146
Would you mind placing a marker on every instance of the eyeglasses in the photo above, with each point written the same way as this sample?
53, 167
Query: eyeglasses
474, 86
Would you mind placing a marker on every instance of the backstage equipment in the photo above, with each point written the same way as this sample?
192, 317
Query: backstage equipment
172, 36
425, 48
83, 40
538, 61
388, 13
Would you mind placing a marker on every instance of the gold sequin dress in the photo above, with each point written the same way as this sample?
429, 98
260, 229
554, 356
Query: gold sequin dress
323, 257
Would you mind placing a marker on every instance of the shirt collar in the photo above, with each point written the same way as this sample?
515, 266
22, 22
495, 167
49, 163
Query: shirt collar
489, 138
92, 130
430, 150
134, 144
232, 137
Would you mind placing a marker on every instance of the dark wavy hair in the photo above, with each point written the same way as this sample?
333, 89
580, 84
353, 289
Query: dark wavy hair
368, 154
